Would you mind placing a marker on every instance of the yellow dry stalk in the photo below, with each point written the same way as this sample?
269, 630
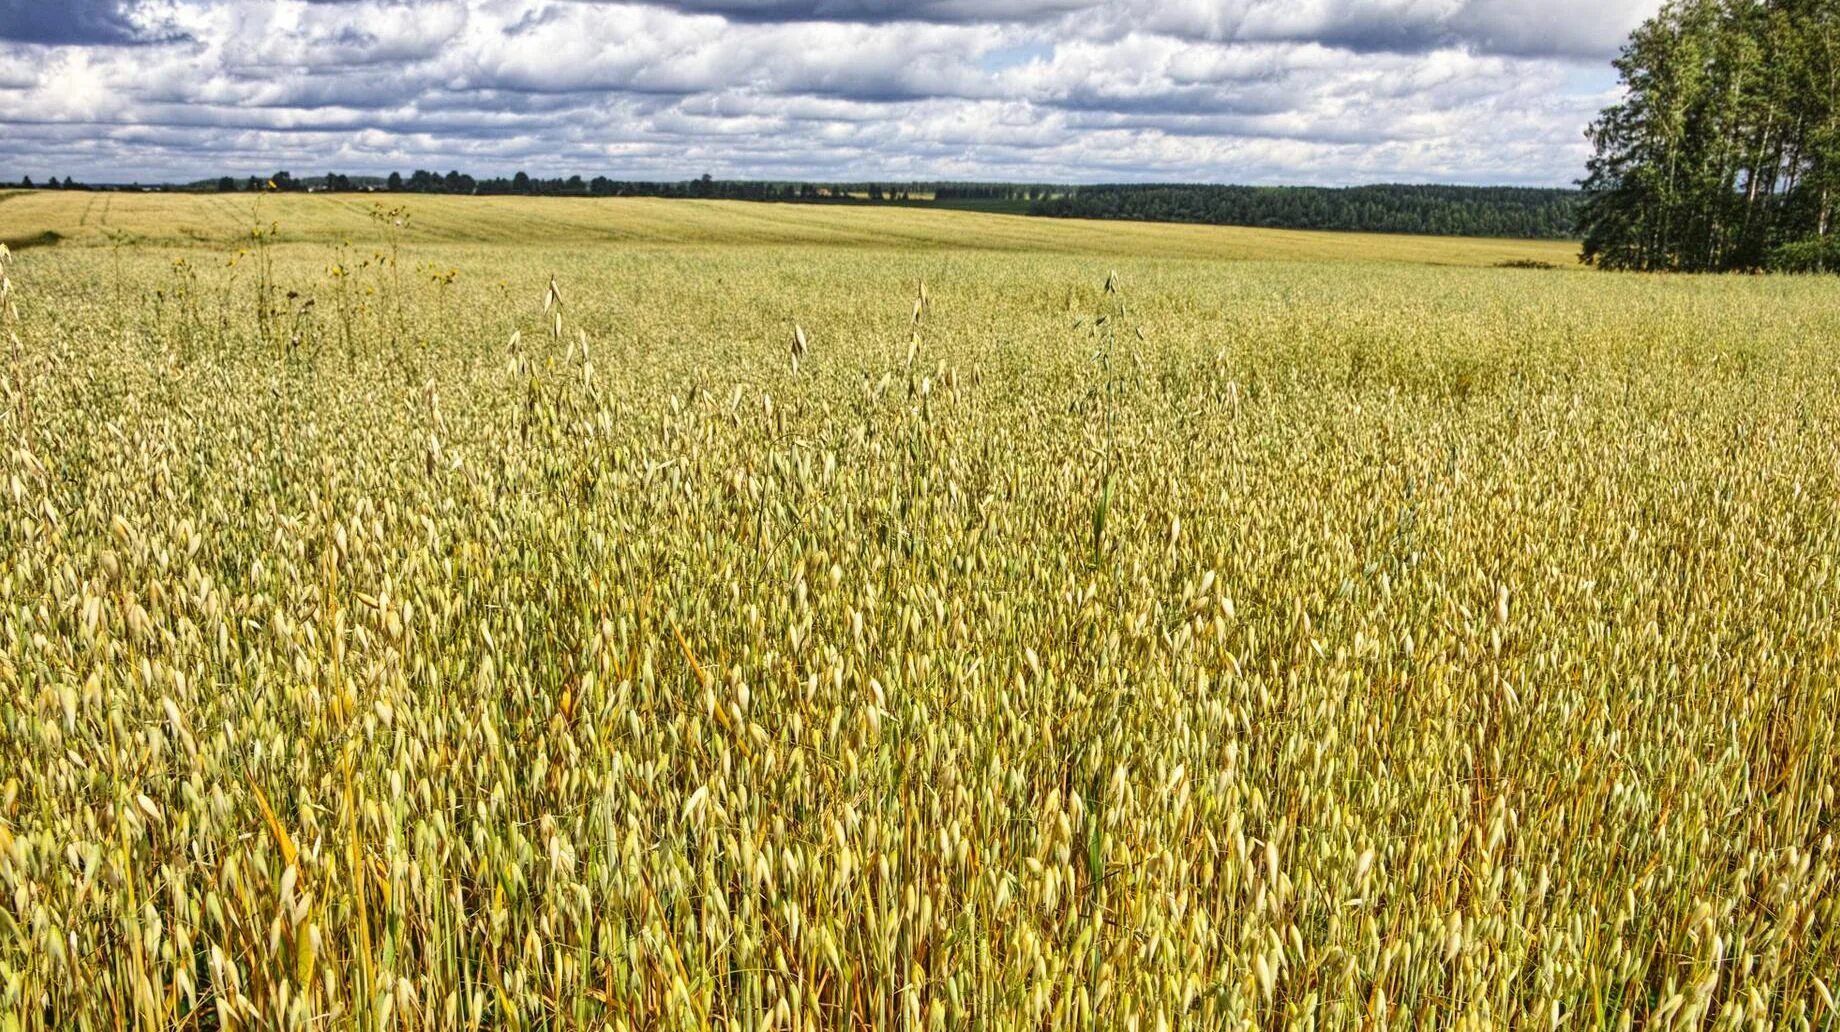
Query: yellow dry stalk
1325, 638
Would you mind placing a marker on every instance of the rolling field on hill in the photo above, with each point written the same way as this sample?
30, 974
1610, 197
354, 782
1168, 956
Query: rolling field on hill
209, 220
651, 614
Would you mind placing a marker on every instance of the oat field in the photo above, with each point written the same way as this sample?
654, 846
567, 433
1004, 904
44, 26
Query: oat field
680, 615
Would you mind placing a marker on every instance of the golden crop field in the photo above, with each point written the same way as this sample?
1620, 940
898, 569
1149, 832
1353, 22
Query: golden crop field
1088, 625
214, 221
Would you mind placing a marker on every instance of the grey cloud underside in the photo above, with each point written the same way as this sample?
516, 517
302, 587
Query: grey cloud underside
1320, 91
1569, 29
80, 22
881, 11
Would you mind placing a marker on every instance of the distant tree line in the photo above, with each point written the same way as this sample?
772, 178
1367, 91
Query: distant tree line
1496, 211
54, 183
1445, 210
998, 191
1725, 152
422, 181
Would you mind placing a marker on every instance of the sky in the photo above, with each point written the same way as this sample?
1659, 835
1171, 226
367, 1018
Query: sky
1322, 92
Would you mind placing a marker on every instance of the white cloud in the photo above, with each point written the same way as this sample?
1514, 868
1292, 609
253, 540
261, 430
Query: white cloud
1324, 91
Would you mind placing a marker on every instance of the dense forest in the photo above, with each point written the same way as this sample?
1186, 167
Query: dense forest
1725, 152
1442, 210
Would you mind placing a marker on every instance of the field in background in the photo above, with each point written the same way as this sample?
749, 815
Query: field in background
208, 220
1098, 626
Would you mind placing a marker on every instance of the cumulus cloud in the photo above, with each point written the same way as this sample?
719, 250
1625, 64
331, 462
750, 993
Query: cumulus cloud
1322, 91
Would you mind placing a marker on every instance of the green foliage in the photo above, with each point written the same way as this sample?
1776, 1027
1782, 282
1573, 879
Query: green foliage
1807, 256
1727, 146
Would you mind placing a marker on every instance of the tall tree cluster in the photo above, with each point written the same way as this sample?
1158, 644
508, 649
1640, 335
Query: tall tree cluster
1725, 152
